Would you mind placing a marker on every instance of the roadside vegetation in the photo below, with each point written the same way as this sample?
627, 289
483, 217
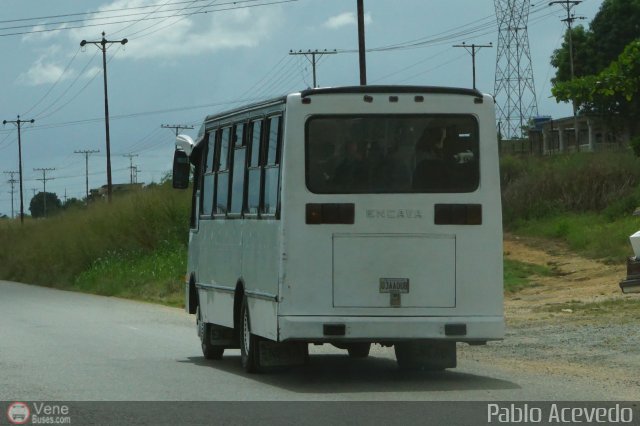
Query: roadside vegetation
134, 247
585, 200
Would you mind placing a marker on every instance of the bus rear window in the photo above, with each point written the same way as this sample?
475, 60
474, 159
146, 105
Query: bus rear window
368, 154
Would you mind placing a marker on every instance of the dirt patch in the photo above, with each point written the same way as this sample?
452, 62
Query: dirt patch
574, 280
575, 322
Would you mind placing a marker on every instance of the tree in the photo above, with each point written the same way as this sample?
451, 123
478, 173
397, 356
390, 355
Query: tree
582, 58
606, 63
37, 204
616, 24
615, 91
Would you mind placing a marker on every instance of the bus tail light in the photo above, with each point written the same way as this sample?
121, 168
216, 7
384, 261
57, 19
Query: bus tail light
458, 214
330, 214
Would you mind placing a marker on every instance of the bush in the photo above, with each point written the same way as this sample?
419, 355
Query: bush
583, 182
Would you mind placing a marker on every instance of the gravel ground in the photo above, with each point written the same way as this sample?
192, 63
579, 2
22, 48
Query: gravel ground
576, 323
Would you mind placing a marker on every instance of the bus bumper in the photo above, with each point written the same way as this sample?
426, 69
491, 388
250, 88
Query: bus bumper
378, 329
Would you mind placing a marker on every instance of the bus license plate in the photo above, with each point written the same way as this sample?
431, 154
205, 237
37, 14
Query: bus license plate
394, 285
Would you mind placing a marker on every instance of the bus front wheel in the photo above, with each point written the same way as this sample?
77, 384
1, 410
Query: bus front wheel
209, 350
249, 343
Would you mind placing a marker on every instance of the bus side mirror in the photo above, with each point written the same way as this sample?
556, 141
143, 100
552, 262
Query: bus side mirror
181, 169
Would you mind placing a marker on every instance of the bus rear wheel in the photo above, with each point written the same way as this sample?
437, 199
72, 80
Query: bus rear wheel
209, 350
249, 343
358, 350
426, 355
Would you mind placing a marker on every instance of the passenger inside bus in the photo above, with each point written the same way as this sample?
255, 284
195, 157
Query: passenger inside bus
351, 172
431, 172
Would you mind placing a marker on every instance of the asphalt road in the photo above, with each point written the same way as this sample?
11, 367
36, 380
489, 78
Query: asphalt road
65, 346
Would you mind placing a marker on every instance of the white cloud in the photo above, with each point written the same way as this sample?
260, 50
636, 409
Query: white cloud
345, 19
179, 36
39, 32
92, 72
44, 70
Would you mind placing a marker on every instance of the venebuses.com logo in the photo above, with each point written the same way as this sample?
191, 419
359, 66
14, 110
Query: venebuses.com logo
18, 413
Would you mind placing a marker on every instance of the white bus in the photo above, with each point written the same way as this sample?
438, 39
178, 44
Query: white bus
349, 216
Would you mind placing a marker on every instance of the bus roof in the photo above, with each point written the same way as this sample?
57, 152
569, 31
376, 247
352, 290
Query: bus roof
391, 89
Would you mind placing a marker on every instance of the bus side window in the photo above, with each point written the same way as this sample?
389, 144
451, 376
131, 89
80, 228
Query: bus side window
255, 172
272, 166
238, 172
208, 177
222, 186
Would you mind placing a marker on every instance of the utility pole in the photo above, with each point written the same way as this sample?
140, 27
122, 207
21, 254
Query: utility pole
474, 49
102, 45
18, 124
361, 44
568, 5
86, 153
177, 127
12, 181
131, 166
44, 180
313, 54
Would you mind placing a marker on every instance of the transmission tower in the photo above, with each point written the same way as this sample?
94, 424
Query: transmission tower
514, 88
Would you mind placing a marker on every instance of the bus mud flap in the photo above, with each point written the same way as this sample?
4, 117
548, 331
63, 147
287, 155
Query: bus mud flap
274, 354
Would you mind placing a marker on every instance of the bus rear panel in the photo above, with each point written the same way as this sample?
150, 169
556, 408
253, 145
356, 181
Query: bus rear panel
387, 234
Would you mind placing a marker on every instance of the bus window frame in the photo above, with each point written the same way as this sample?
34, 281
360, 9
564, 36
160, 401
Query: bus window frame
277, 164
250, 148
220, 132
237, 145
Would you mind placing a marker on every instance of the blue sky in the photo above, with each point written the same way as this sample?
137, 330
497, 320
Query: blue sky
177, 69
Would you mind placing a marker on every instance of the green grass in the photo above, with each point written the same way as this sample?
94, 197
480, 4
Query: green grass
628, 308
591, 235
519, 275
157, 276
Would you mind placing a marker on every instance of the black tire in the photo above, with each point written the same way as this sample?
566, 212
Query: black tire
425, 355
209, 350
406, 358
359, 350
249, 343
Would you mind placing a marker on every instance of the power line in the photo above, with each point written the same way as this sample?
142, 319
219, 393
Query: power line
91, 13
70, 27
54, 84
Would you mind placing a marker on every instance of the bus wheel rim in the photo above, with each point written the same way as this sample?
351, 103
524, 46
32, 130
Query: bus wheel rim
200, 325
245, 327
